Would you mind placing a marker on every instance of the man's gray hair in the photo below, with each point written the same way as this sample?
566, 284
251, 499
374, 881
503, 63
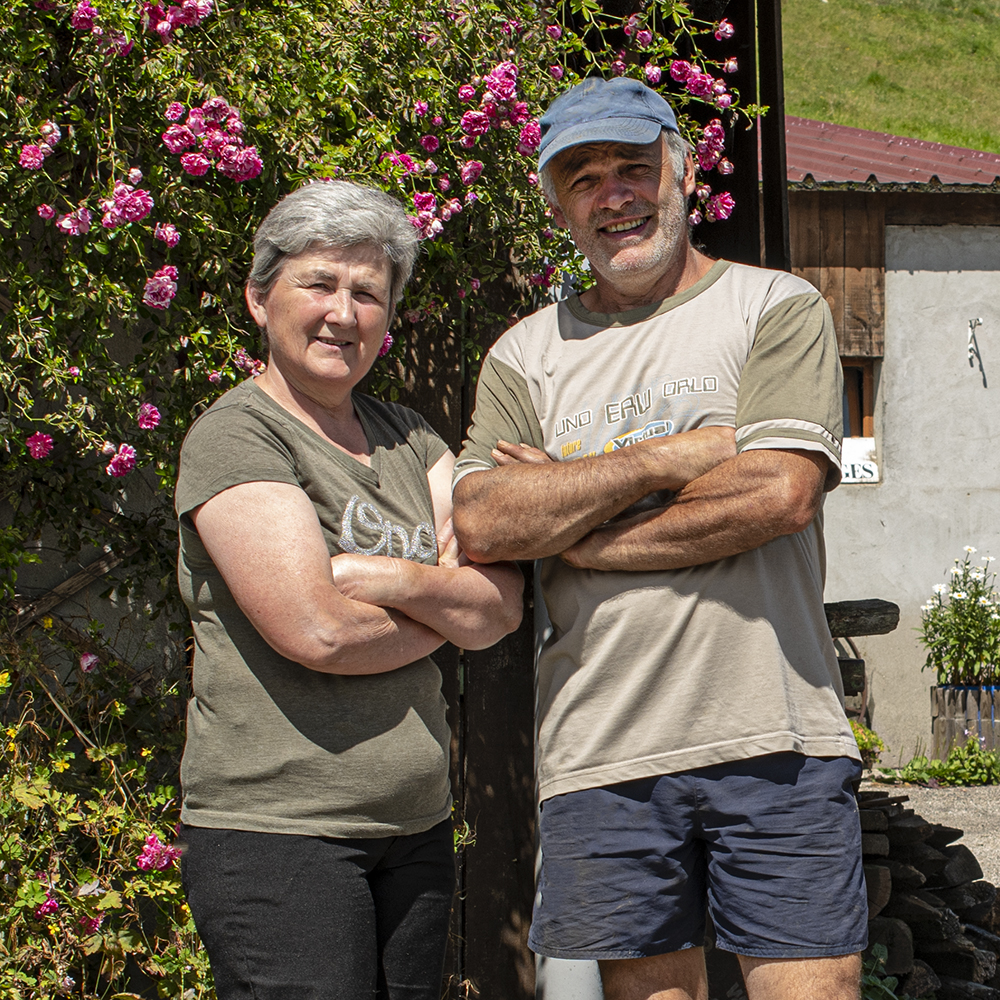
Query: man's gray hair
336, 214
677, 146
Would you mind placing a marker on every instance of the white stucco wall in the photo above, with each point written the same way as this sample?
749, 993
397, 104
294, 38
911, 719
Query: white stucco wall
937, 433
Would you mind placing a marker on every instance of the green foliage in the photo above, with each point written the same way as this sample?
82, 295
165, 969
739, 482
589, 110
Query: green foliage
869, 743
875, 985
87, 353
969, 764
79, 796
960, 625
920, 68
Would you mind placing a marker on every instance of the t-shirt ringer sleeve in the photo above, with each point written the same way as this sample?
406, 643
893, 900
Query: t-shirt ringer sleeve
504, 411
225, 448
791, 389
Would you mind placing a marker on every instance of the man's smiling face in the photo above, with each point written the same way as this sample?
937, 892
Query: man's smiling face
624, 207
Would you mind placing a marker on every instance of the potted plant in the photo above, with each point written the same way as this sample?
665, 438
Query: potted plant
960, 626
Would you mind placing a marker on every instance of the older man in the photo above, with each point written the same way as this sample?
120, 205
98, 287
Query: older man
663, 441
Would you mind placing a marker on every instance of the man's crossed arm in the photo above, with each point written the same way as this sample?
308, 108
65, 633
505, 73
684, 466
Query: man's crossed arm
529, 507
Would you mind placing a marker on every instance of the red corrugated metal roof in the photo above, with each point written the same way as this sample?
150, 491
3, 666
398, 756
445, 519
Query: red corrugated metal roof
841, 154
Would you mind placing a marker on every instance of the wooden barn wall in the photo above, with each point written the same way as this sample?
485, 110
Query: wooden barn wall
837, 242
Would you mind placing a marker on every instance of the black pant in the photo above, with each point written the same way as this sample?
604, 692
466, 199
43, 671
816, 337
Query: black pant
287, 917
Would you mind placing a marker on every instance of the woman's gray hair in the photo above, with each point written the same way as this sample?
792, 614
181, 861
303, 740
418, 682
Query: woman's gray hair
677, 146
334, 214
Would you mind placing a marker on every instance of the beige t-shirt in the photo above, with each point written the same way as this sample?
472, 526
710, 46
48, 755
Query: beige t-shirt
655, 672
271, 745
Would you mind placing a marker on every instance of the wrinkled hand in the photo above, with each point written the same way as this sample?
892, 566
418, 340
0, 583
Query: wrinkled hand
369, 579
691, 454
506, 453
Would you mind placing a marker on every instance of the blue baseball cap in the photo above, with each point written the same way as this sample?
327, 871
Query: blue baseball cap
616, 110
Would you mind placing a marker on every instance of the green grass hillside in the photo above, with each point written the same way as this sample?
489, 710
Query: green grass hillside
929, 69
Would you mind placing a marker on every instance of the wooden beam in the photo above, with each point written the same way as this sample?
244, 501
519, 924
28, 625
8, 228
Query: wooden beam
774, 167
854, 618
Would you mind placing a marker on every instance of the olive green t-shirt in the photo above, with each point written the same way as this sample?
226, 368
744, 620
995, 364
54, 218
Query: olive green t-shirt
649, 673
273, 746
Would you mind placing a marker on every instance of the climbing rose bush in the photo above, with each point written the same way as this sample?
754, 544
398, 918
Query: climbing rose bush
142, 144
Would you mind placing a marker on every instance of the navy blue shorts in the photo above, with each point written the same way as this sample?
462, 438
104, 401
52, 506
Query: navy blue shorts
771, 846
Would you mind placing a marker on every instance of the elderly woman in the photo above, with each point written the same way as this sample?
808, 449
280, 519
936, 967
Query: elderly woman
320, 569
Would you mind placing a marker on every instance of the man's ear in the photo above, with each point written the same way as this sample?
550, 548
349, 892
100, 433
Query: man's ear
688, 183
557, 215
256, 303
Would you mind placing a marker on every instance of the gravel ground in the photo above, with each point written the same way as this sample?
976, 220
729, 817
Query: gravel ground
974, 810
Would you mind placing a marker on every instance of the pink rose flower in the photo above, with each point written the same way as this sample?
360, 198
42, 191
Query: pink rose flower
724, 167
681, 70
149, 417
39, 444
653, 73
501, 81
215, 377
386, 345
699, 84
475, 123
724, 30
430, 143
444, 184
425, 201
643, 37
420, 109
471, 197
723, 101
135, 176
554, 31
51, 133
475, 284
467, 141
156, 856
83, 16
174, 111
243, 165
618, 68
519, 113
46, 211
466, 92
694, 218
530, 137
167, 232
730, 65
75, 223
556, 72
195, 164
719, 207
73, 371
123, 462
31, 157
471, 171
177, 138
160, 288
87, 663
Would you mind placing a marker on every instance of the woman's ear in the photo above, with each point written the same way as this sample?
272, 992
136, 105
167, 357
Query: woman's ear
257, 304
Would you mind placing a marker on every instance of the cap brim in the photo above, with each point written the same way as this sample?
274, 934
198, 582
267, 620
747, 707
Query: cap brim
636, 131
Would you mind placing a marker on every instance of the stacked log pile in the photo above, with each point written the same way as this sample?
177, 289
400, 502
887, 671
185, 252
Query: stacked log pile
928, 904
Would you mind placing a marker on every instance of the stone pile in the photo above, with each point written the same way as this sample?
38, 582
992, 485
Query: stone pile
928, 903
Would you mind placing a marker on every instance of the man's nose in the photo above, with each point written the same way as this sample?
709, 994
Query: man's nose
615, 193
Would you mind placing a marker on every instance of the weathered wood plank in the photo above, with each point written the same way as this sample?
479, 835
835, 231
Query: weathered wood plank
499, 876
855, 618
831, 266
803, 233
918, 208
864, 275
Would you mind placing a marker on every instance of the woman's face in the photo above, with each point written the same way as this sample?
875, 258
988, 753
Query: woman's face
326, 317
